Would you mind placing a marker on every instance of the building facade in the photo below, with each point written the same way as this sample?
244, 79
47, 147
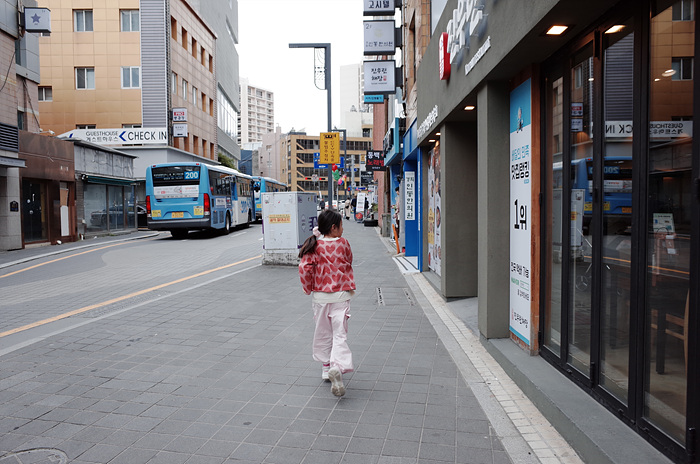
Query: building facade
299, 173
555, 177
257, 115
127, 64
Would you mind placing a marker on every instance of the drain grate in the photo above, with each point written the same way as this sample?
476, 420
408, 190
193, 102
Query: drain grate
394, 296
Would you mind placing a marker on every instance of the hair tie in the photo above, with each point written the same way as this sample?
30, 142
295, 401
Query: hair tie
316, 232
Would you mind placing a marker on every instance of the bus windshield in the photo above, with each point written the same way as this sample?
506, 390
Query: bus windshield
175, 181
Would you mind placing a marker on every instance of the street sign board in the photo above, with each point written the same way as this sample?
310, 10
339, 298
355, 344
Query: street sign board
179, 114
379, 7
180, 129
330, 148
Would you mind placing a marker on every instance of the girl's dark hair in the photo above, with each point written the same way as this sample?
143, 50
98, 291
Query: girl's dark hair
326, 220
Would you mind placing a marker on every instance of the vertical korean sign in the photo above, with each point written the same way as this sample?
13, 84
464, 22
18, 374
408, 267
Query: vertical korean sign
330, 148
520, 207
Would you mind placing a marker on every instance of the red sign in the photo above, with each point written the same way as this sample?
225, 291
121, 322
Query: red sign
444, 57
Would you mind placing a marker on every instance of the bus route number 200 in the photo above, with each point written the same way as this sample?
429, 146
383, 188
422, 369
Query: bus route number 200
189, 175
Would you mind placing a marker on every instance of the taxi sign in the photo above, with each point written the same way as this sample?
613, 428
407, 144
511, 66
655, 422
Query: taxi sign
330, 148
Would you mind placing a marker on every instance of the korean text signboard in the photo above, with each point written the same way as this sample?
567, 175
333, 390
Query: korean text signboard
379, 7
379, 37
410, 196
380, 77
520, 211
330, 148
375, 161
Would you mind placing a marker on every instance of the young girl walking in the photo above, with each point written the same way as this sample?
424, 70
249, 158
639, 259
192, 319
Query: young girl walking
326, 274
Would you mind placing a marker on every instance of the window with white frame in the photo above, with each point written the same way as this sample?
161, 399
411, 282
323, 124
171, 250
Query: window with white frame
130, 20
131, 77
173, 83
84, 78
184, 89
194, 96
45, 94
683, 67
683, 11
82, 20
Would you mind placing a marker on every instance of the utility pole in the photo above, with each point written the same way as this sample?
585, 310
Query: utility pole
327, 75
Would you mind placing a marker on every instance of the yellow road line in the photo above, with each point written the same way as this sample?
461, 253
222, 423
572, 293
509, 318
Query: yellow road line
118, 299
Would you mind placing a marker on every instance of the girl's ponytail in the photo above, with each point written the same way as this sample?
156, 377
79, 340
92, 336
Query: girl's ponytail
310, 244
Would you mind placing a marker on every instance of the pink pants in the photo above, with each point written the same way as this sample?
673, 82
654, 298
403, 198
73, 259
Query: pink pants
331, 335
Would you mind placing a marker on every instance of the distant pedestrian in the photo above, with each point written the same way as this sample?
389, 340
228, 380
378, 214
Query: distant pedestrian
353, 203
326, 274
348, 203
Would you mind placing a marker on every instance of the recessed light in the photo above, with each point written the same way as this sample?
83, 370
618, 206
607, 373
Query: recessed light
657, 79
431, 140
591, 79
615, 28
469, 107
668, 73
557, 30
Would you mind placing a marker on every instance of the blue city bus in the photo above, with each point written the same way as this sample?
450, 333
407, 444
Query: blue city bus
261, 185
193, 196
617, 184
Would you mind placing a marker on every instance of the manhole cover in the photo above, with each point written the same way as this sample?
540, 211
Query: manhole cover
35, 456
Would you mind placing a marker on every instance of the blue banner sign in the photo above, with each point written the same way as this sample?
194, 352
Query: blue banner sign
317, 165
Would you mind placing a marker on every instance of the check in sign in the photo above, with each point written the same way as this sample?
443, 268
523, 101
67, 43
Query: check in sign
330, 148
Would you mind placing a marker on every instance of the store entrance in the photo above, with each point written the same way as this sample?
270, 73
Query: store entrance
34, 211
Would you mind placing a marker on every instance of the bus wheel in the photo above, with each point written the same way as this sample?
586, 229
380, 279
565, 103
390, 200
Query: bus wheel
179, 234
227, 225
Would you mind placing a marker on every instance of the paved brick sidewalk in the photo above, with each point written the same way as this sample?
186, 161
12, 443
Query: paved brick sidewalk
223, 373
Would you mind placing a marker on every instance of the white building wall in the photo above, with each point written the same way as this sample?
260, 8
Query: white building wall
257, 115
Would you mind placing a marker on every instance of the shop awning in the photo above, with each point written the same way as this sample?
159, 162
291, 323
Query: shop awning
108, 180
7, 162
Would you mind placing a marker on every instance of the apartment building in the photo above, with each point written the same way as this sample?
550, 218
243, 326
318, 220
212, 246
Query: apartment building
257, 116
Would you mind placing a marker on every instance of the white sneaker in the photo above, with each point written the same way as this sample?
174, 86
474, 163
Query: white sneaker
336, 378
324, 371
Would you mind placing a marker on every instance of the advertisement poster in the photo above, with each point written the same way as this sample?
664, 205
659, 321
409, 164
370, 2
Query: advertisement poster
410, 196
434, 211
520, 210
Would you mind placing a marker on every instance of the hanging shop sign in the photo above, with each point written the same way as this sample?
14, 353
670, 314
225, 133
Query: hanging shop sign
179, 114
180, 129
37, 19
374, 99
381, 37
319, 165
520, 210
375, 161
428, 122
380, 77
379, 7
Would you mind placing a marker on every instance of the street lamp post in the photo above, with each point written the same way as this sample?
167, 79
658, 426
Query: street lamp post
327, 75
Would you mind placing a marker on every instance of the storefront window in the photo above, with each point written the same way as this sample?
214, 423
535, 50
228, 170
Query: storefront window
668, 227
116, 207
95, 207
618, 164
555, 127
581, 246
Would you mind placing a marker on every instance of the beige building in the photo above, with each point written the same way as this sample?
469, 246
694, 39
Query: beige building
297, 164
106, 65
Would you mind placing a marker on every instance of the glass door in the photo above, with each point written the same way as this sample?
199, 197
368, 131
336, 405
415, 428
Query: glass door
669, 211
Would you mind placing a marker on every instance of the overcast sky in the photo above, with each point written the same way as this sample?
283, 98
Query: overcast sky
267, 27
